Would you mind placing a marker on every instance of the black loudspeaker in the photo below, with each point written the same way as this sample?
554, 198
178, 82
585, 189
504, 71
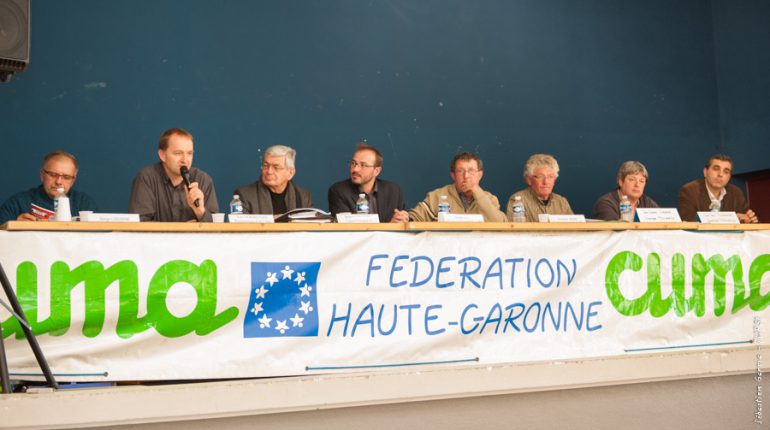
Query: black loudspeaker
14, 37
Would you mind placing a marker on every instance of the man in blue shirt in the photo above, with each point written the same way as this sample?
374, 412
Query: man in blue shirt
59, 170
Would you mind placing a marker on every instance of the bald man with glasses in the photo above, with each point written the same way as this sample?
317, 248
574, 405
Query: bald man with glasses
58, 170
385, 198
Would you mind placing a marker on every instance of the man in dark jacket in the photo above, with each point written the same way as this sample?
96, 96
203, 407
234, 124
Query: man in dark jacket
385, 198
275, 192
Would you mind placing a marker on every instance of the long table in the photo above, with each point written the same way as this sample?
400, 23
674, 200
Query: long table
409, 226
159, 301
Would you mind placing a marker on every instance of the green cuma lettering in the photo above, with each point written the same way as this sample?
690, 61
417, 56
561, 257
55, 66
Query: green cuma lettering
96, 279
652, 298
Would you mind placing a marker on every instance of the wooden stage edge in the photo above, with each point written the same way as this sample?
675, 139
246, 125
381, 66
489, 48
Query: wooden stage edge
180, 227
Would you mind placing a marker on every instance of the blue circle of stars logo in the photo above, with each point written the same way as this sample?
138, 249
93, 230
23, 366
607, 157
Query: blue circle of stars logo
283, 300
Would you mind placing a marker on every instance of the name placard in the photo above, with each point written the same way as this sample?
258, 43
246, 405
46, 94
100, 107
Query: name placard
254, 218
561, 218
657, 215
96, 217
718, 218
445, 217
351, 218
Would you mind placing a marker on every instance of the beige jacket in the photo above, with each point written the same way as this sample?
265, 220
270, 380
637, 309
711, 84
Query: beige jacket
484, 203
557, 205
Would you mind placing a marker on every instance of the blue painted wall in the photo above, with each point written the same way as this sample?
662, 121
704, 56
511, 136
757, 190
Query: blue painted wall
742, 46
594, 82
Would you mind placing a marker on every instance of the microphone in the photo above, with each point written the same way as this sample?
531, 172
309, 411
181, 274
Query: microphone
186, 178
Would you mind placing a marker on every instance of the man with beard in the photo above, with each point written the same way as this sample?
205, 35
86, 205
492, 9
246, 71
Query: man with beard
385, 198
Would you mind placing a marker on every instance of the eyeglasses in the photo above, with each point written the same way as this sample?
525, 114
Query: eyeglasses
354, 164
55, 176
275, 167
470, 172
543, 177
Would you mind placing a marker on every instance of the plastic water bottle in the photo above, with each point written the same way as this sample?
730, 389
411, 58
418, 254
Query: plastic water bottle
715, 206
56, 198
626, 213
362, 204
443, 205
519, 212
61, 206
236, 206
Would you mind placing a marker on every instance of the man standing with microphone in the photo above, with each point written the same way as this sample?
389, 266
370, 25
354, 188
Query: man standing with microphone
173, 190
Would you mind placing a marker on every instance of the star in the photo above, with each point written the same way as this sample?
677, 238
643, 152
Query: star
306, 307
271, 278
261, 292
264, 322
257, 308
300, 277
305, 291
287, 273
296, 321
281, 326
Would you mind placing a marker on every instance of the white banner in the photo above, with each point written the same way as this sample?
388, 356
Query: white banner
145, 306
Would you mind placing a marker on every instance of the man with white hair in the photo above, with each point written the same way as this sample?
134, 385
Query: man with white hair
275, 192
540, 173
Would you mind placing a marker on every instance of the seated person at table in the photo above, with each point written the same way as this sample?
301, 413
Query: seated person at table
632, 178
699, 195
465, 196
275, 192
59, 170
540, 173
159, 192
385, 198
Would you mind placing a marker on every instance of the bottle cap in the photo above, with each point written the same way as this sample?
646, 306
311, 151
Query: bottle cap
362, 195
236, 196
